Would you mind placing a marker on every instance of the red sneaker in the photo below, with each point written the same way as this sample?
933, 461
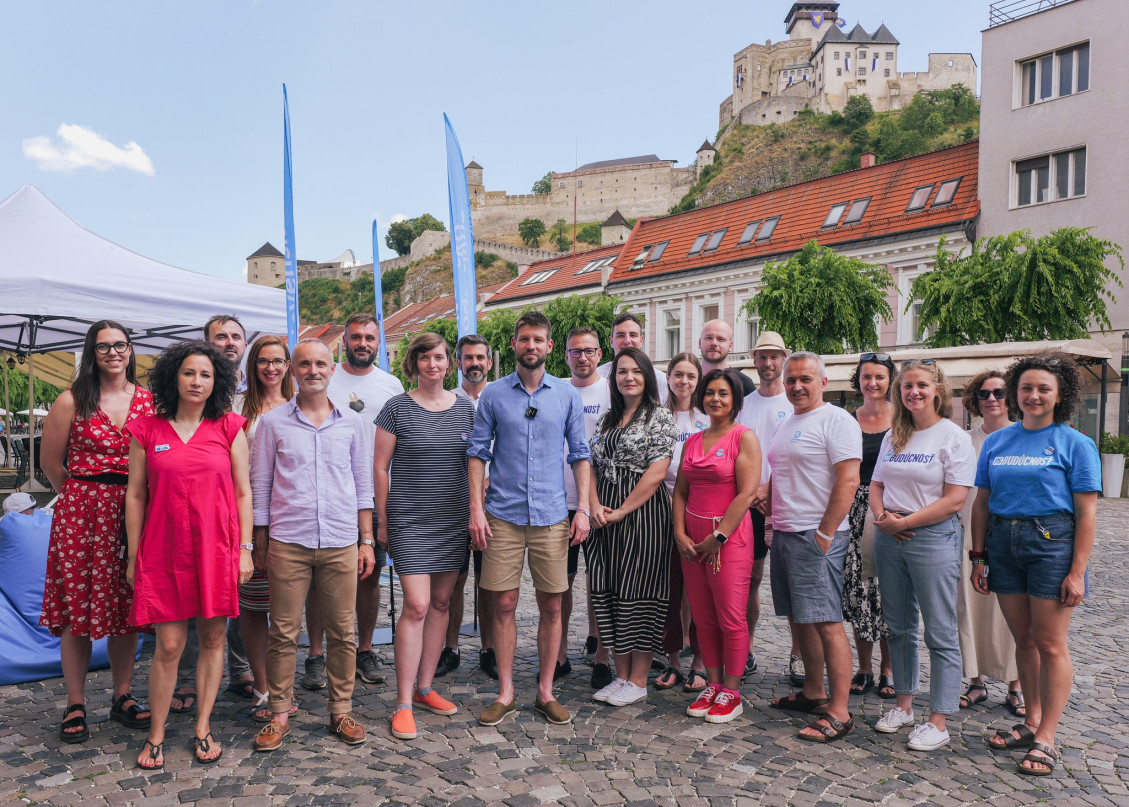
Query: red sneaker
726, 706
701, 707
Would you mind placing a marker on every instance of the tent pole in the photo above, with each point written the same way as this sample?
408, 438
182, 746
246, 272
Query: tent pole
7, 420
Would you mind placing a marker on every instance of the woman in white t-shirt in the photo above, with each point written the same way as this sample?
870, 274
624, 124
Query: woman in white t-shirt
925, 468
682, 376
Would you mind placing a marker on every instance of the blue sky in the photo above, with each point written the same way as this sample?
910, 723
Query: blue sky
172, 111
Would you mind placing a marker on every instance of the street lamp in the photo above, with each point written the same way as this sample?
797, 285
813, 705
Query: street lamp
1123, 421
12, 361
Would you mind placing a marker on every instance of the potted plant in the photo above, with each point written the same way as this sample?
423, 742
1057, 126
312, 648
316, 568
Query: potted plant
1113, 449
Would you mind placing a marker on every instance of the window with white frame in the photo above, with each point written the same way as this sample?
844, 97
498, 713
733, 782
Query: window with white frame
917, 333
1054, 75
672, 329
1050, 178
710, 312
752, 331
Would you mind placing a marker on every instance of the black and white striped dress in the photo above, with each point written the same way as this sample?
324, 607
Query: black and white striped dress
629, 561
429, 497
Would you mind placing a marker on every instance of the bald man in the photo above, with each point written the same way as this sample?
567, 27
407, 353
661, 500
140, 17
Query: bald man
714, 344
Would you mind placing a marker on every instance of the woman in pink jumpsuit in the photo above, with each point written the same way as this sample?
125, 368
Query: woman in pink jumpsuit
716, 484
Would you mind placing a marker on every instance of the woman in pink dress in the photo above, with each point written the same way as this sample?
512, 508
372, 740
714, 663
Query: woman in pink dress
86, 456
188, 524
716, 484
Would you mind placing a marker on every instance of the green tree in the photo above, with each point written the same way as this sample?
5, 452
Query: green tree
45, 394
498, 328
590, 233
447, 328
594, 310
1018, 288
559, 235
857, 112
531, 231
822, 301
544, 184
401, 234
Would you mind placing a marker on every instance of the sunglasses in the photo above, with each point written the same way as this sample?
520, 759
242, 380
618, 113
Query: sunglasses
985, 394
909, 362
878, 357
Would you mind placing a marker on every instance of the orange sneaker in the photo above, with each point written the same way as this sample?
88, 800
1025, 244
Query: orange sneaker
404, 723
434, 702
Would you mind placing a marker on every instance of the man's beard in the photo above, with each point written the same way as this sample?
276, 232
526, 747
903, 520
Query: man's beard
537, 361
476, 375
358, 363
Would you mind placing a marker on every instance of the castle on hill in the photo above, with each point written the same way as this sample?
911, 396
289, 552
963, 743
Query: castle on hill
822, 64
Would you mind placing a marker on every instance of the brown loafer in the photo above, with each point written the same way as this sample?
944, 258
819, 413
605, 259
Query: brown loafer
271, 736
493, 714
348, 729
553, 711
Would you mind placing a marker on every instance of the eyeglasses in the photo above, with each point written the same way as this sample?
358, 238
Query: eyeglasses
878, 357
985, 394
102, 348
276, 363
909, 362
588, 352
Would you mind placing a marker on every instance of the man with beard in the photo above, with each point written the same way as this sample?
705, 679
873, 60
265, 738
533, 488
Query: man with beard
627, 331
521, 427
364, 388
714, 344
226, 334
582, 354
472, 355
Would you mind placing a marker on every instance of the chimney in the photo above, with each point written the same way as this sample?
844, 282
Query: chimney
869, 158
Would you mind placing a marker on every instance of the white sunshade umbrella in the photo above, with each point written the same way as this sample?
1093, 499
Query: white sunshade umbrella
39, 413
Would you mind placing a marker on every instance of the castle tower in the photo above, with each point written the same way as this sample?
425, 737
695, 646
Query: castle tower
474, 185
266, 266
705, 157
810, 20
615, 230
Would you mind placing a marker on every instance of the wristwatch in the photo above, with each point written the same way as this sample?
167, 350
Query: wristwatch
368, 542
720, 537
585, 511
248, 547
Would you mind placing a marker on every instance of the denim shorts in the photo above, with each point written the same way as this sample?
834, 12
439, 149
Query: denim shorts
1023, 560
807, 585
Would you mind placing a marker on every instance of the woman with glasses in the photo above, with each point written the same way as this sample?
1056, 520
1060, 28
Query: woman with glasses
862, 601
85, 454
270, 384
925, 468
188, 529
630, 554
1033, 526
986, 646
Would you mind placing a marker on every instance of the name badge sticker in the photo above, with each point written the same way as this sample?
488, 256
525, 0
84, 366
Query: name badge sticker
162, 447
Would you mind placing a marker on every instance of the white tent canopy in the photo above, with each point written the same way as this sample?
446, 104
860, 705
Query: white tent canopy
57, 278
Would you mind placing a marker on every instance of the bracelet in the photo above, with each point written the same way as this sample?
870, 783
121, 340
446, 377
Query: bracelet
981, 561
827, 538
974, 556
248, 547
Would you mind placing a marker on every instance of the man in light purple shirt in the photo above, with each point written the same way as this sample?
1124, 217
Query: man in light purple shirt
311, 481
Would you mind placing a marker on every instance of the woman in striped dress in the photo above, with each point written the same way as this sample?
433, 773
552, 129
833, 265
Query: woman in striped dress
629, 559
424, 516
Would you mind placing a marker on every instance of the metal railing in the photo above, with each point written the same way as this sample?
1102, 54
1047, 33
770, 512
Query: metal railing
1005, 11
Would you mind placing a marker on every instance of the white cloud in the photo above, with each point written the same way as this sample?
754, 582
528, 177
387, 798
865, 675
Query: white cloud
78, 147
398, 217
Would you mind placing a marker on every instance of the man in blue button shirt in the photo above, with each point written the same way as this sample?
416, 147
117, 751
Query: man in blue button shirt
528, 416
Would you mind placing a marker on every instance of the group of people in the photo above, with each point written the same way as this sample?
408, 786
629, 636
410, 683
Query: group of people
213, 496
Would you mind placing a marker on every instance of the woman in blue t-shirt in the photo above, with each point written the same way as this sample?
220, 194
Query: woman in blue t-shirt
1033, 523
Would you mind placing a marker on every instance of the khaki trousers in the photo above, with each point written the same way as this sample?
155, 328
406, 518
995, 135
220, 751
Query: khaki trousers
291, 569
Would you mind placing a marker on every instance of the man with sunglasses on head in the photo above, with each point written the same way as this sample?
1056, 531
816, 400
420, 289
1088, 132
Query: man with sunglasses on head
521, 427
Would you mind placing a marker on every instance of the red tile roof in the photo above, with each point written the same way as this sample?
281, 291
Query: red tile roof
412, 317
803, 209
569, 275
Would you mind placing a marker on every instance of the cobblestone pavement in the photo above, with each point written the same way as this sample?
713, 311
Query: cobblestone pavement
645, 754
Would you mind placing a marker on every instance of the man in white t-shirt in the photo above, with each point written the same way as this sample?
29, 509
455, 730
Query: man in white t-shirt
763, 411
362, 386
582, 354
474, 360
627, 331
814, 456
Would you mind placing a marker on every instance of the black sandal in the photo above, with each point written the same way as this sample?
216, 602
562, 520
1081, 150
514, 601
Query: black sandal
187, 700
205, 744
1008, 741
799, 702
829, 733
1015, 704
74, 722
695, 681
862, 683
886, 682
966, 700
154, 752
128, 716
675, 680
1048, 761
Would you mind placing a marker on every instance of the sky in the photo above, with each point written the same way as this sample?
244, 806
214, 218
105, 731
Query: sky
158, 125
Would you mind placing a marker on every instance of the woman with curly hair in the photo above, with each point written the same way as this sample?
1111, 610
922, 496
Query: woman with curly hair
86, 457
924, 471
1033, 525
986, 646
188, 526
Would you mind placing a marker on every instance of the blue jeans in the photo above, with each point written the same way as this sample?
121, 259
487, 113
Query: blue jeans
922, 575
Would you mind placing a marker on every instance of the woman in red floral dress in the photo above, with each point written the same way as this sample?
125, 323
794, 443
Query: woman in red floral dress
85, 454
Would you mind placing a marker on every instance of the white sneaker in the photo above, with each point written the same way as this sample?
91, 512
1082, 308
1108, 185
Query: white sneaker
893, 720
627, 694
605, 693
927, 737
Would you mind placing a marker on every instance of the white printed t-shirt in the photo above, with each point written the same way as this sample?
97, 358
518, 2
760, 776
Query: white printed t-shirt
803, 453
597, 399
916, 476
687, 423
365, 395
764, 414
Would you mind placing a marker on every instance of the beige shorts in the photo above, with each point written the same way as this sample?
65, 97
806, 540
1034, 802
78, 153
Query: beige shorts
505, 554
